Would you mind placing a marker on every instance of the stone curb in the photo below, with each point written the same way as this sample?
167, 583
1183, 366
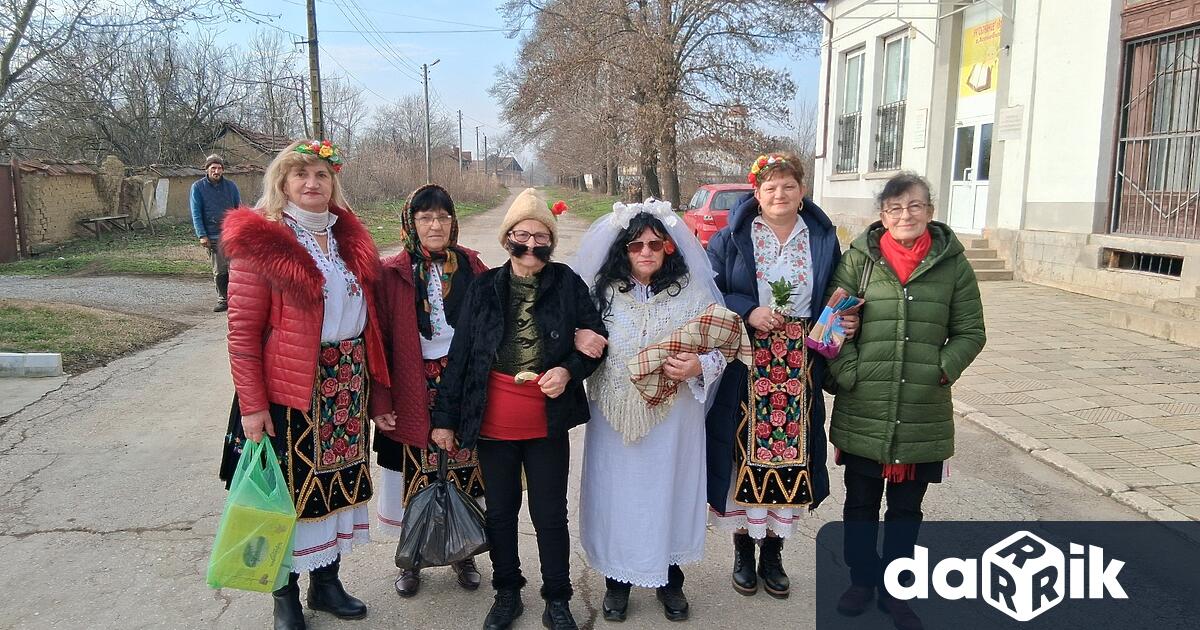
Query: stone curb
1120, 492
30, 364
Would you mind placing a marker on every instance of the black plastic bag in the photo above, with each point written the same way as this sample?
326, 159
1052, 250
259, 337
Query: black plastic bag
442, 525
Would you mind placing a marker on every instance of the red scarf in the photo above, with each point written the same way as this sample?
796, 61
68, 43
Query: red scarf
902, 259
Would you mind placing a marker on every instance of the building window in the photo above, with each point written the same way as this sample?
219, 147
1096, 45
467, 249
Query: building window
889, 116
1157, 178
850, 118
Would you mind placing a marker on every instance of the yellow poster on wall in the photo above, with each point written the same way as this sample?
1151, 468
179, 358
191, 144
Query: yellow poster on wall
980, 67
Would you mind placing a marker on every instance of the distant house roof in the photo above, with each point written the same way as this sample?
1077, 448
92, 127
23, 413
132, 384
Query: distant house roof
178, 170
261, 141
509, 163
58, 167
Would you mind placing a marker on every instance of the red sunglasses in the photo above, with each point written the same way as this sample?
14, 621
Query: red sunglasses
635, 247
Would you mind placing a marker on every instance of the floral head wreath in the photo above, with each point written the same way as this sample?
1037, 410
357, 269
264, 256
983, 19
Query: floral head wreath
323, 149
661, 210
763, 162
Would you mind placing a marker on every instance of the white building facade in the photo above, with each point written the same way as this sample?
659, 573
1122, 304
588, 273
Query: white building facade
1065, 132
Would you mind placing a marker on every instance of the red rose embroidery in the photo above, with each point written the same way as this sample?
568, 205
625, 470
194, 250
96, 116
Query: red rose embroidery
761, 334
353, 427
343, 399
463, 455
356, 383
778, 349
328, 458
777, 448
763, 454
433, 459
795, 359
778, 374
346, 347
326, 432
358, 354
432, 369
329, 387
792, 429
340, 417
794, 330
778, 400
762, 387
793, 387
762, 430
329, 356
352, 452
790, 453
762, 357
340, 446
778, 418
344, 372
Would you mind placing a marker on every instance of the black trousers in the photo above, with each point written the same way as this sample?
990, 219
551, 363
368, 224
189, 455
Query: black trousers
674, 580
546, 462
902, 522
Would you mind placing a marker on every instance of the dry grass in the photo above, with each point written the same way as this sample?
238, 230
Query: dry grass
86, 337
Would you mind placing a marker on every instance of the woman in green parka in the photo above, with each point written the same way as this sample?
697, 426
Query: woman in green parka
893, 417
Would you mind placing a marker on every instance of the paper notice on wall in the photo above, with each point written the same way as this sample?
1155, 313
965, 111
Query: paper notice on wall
920, 122
1009, 123
160, 197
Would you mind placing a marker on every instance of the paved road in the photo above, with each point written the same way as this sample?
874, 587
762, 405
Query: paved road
111, 500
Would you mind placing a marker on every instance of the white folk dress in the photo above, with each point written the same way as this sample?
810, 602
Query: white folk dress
643, 503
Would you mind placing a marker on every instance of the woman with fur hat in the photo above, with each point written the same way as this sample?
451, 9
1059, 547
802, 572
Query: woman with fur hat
421, 295
304, 347
512, 388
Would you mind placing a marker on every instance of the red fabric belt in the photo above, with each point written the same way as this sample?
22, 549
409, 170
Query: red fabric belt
514, 412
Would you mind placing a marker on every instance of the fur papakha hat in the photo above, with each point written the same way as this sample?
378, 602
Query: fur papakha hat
530, 204
213, 159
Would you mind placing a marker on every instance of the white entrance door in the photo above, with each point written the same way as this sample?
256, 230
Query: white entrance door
969, 177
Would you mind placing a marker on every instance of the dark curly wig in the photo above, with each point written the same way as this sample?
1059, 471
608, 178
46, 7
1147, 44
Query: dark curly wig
616, 274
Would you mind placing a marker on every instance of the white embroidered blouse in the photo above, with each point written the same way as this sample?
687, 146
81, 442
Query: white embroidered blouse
345, 306
790, 260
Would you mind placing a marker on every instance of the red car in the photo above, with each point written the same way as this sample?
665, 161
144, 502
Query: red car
708, 211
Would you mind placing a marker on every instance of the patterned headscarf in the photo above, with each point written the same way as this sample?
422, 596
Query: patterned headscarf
452, 258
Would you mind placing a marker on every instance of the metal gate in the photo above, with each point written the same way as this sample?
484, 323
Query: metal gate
1156, 188
9, 246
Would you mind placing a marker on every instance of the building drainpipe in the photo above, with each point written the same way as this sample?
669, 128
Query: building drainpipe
828, 78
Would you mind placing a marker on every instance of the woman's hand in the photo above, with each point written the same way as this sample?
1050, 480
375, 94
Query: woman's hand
254, 424
385, 422
765, 319
850, 324
443, 438
590, 343
554, 381
682, 366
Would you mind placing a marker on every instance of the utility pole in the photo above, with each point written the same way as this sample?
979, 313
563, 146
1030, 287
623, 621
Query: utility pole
428, 149
314, 72
477, 141
485, 155
460, 170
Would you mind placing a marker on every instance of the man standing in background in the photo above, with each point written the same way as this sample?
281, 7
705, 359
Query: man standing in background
211, 197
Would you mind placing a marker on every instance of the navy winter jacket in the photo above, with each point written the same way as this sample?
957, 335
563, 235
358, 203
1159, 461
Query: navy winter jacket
210, 202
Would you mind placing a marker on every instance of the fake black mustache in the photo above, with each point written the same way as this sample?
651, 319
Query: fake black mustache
542, 252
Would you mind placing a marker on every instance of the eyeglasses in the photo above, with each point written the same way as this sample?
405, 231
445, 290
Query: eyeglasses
426, 221
915, 208
521, 236
635, 247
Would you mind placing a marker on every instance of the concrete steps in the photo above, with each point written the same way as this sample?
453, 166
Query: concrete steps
986, 261
1176, 320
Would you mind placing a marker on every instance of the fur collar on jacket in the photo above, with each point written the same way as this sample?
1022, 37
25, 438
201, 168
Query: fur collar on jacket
273, 251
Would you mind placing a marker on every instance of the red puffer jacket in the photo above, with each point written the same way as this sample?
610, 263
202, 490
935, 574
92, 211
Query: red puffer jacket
276, 307
407, 397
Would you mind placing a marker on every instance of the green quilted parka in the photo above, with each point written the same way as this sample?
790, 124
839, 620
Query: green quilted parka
891, 405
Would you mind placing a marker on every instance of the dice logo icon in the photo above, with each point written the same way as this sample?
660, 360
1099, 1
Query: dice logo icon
1023, 576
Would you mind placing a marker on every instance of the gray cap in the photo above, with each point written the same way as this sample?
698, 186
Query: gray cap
213, 159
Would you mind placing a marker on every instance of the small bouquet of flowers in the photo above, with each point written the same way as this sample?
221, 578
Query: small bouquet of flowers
827, 335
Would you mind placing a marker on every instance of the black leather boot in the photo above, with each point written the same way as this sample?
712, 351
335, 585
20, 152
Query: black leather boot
222, 293
558, 615
770, 568
675, 603
745, 581
616, 600
288, 613
505, 610
326, 593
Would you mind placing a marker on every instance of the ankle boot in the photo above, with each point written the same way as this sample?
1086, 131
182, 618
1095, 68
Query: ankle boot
744, 579
505, 610
558, 615
770, 568
325, 592
288, 613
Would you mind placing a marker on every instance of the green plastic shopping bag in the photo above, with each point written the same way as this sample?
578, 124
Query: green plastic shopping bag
253, 546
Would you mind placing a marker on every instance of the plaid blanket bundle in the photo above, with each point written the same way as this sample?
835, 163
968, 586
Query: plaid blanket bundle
717, 328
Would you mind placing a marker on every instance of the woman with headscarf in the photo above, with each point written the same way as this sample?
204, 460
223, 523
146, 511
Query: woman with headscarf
643, 506
304, 346
421, 293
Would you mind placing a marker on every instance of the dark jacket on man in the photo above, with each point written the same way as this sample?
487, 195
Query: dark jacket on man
731, 252
563, 305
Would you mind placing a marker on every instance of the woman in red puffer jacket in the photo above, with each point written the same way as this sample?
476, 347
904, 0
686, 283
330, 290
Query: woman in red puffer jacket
304, 346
